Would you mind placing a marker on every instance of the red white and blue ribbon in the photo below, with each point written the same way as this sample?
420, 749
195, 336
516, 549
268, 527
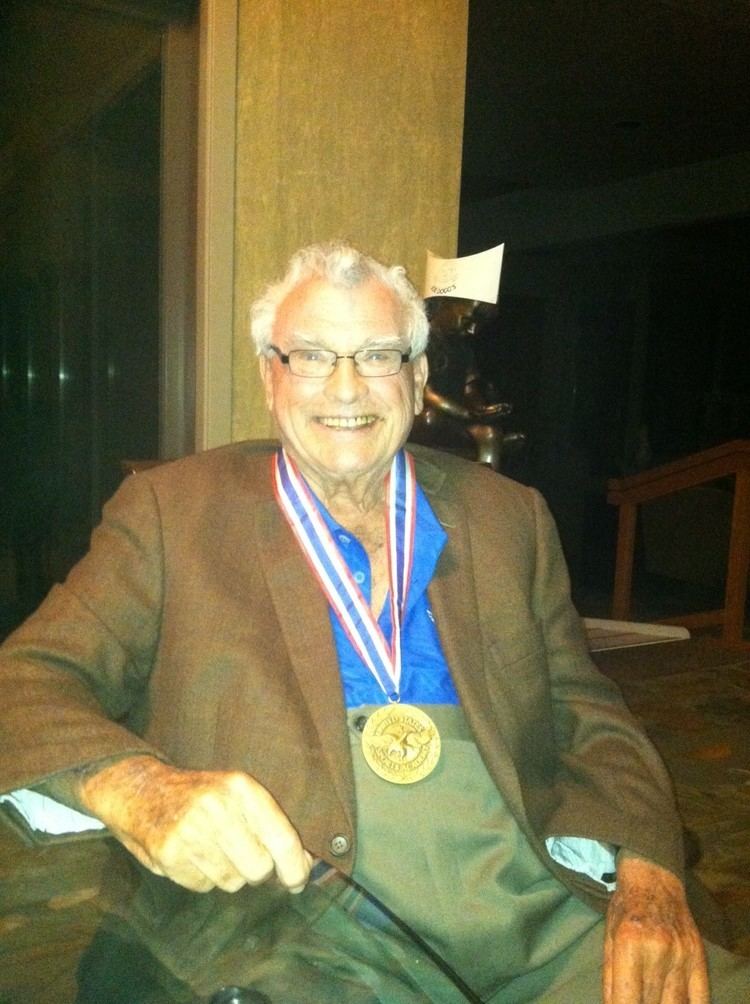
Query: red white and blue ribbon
333, 574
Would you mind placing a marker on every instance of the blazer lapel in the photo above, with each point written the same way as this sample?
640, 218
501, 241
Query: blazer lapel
454, 602
302, 613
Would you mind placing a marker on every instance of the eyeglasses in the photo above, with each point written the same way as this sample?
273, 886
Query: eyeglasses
322, 362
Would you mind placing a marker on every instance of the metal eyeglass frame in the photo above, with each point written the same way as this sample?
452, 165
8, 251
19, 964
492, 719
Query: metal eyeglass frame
285, 359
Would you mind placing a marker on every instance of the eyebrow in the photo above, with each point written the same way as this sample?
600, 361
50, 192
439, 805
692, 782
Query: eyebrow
384, 341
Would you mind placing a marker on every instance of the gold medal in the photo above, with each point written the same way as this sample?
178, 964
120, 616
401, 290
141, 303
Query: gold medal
401, 743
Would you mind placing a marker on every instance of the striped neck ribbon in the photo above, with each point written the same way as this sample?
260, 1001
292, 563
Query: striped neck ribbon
332, 572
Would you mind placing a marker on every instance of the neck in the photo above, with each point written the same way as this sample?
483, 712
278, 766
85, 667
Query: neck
350, 499
352, 502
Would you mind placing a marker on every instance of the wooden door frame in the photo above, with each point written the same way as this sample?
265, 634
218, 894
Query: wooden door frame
197, 230
216, 222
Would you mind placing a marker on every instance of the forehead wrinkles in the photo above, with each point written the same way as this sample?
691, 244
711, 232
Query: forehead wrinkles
317, 308
371, 340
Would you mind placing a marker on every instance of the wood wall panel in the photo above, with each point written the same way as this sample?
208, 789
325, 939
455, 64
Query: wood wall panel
349, 124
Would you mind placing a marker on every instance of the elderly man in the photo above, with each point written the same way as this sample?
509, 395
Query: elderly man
345, 652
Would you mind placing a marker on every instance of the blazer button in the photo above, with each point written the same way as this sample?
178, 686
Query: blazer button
339, 844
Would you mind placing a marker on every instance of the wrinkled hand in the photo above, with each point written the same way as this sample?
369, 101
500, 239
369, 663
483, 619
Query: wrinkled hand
202, 829
653, 953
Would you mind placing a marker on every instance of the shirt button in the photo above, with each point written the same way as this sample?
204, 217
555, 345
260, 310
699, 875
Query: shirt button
359, 577
339, 844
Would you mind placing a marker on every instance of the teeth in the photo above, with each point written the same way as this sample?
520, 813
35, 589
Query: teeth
347, 423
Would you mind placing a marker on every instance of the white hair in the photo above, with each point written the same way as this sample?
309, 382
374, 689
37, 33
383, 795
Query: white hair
347, 267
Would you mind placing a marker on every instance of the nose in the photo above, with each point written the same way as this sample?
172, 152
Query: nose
344, 384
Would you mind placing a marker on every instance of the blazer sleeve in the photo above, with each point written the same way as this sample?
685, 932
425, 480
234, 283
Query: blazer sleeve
80, 664
610, 783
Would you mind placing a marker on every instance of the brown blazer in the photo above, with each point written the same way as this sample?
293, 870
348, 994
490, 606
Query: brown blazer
195, 630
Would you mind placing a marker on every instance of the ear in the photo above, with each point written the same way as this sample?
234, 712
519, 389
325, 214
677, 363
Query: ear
265, 366
420, 371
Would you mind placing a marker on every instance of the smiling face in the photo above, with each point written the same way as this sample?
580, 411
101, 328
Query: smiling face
344, 430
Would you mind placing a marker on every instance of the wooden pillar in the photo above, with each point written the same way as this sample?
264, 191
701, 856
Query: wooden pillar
349, 120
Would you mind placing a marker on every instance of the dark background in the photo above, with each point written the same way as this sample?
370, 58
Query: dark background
607, 144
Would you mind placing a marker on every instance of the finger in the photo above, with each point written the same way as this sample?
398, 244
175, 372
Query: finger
188, 875
215, 836
217, 868
139, 853
201, 868
607, 976
699, 990
247, 854
197, 847
276, 834
627, 975
191, 878
665, 976
670, 964
291, 860
242, 847
669, 987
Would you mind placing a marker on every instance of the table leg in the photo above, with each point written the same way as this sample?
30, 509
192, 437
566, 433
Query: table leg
738, 563
624, 561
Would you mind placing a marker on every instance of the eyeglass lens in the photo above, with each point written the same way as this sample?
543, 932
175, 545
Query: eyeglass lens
322, 362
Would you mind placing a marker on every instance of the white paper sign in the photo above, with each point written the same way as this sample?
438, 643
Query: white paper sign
472, 277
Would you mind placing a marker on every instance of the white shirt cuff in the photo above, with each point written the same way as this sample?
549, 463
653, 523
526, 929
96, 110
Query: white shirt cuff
48, 816
591, 857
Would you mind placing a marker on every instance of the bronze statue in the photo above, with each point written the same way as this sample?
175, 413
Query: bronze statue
461, 411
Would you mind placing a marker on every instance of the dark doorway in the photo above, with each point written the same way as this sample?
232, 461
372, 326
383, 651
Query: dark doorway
79, 336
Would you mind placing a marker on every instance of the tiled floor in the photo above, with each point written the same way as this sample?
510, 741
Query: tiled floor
694, 700
48, 914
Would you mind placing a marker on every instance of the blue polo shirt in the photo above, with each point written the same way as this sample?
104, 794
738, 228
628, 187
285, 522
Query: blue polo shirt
425, 677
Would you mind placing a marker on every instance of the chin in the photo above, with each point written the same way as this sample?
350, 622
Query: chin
346, 464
